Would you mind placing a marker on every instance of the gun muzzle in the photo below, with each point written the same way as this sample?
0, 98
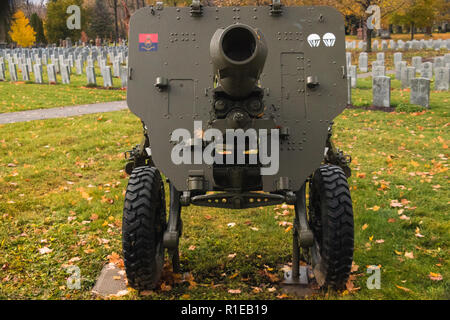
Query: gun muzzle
238, 55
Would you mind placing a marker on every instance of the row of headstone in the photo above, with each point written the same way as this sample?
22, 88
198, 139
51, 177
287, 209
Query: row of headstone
403, 72
62, 60
381, 91
420, 92
432, 44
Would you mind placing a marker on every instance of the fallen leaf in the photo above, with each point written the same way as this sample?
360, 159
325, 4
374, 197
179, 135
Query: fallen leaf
165, 287
256, 289
45, 250
403, 288
192, 248
409, 255
364, 227
379, 241
396, 204
234, 291
435, 276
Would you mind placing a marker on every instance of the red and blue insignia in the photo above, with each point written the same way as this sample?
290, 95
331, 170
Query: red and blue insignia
148, 42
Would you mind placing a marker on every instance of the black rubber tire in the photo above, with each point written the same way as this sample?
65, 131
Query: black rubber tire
331, 219
144, 223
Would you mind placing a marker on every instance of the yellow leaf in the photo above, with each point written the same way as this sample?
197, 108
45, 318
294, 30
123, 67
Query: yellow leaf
414, 163
435, 276
364, 227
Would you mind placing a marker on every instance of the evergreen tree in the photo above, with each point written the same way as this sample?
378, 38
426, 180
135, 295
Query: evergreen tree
21, 31
101, 22
38, 26
56, 22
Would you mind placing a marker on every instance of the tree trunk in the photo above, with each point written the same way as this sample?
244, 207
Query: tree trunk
369, 40
412, 31
116, 22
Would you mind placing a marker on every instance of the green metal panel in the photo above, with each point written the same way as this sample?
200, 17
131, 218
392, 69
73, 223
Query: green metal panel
182, 57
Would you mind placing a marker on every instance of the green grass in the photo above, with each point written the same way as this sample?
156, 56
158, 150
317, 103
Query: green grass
62, 185
21, 96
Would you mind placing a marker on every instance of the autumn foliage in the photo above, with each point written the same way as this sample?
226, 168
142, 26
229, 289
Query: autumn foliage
21, 31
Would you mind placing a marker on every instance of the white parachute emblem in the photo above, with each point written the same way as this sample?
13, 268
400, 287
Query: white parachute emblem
314, 40
329, 39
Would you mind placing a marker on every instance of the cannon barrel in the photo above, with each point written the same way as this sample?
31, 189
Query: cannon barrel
238, 54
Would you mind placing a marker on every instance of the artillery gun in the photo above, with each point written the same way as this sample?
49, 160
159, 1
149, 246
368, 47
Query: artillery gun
228, 73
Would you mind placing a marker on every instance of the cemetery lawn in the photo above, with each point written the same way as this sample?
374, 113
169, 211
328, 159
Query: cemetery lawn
21, 96
62, 186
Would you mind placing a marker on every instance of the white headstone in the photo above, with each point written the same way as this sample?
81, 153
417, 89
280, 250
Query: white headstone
51, 73
37, 73
13, 72
124, 76
426, 70
378, 71
381, 91
107, 77
420, 92
353, 75
90, 75
416, 62
65, 74
363, 62
408, 73
398, 56
2, 72
441, 79
25, 73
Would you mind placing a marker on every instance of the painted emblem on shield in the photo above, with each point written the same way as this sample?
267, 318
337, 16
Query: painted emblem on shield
314, 40
148, 42
329, 39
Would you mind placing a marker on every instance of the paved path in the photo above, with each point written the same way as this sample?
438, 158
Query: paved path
61, 112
